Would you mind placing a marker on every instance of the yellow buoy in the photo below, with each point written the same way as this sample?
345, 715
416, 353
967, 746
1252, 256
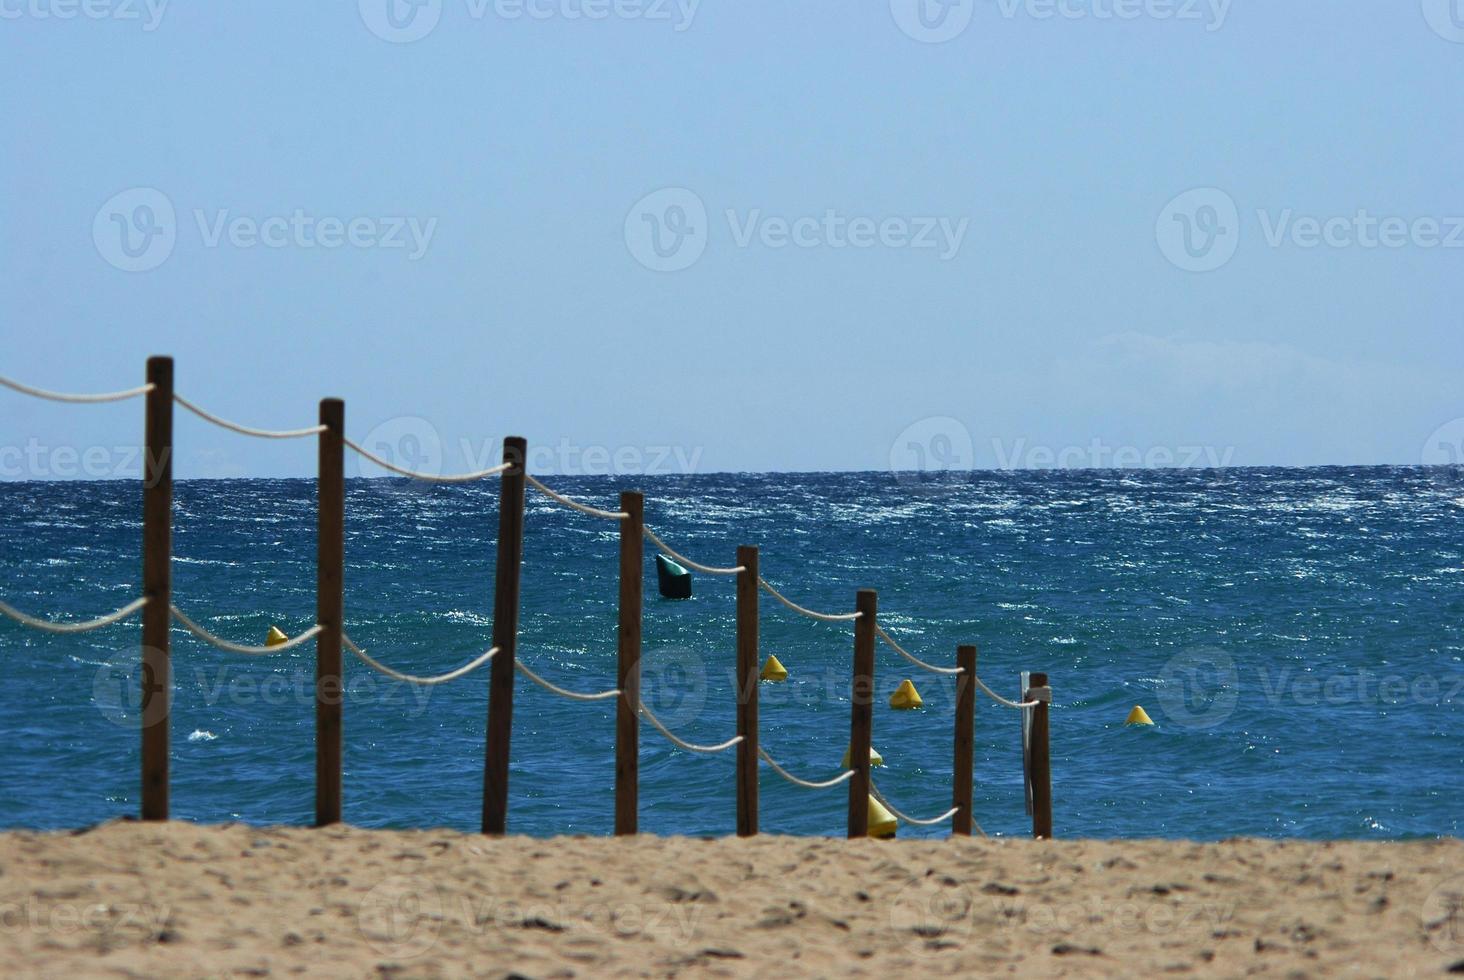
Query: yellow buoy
774, 670
882, 823
875, 759
1138, 716
906, 696
276, 637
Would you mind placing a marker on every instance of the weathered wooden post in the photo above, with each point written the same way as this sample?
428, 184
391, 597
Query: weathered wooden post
861, 712
157, 587
747, 676
506, 578
330, 584
627, 716
965, 739
1041, 761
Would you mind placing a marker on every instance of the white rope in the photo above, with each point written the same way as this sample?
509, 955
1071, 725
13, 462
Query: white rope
556, 689
224, 644
451, 675
609, 515
56, 396
245, 429
704, 749
429, 477
656, 540
912, 658
846, 774
826, 617
1001, 700
921, 823
91, 624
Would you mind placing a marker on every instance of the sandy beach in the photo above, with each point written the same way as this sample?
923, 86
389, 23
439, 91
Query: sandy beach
135, 900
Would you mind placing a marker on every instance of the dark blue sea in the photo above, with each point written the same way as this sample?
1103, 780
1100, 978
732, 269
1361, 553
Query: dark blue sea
1297, 635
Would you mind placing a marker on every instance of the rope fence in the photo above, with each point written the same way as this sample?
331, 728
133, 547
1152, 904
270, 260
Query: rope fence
451, 675
50, 626
425, 477
559, 498
682, 743
56, 396
695, 566
247, 430
249, 651
522, 668
158, 610
811, 614
842, 777
911, 657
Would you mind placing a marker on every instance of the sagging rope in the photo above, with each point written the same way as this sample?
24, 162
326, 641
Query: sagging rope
251, 651
703, 749
811, 614
56, 396
556, 689
846, 774
1001, 700
609, 515
451, 675
48, 626
246, 430
873, 791
656, 540
912, 658
428, 477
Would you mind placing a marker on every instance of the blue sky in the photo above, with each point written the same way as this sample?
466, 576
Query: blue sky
741, 236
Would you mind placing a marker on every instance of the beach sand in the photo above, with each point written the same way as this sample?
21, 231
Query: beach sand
134, 900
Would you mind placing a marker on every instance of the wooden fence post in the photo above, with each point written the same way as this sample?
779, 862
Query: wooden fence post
747, 676
1041, 761
330, 584
965, 739
506, 579
861, 712
157, 587
627, 716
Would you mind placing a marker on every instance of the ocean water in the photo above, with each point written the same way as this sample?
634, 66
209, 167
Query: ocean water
1298, 636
